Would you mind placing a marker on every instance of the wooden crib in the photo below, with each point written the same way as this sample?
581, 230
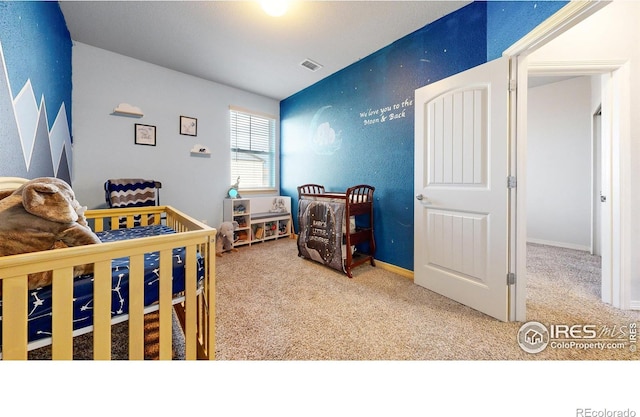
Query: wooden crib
194, 307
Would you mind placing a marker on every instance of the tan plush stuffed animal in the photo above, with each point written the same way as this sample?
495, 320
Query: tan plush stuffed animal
43, 214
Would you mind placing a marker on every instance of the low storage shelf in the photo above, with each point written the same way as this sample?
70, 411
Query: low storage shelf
259, 218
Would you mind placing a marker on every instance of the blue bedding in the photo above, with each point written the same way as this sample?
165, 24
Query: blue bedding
39, 318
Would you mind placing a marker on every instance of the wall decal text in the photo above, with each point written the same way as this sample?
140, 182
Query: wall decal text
386, 113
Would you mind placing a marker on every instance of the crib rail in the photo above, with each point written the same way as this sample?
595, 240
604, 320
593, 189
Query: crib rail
108, 219
196, 311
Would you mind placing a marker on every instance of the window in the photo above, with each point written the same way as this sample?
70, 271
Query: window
253, 155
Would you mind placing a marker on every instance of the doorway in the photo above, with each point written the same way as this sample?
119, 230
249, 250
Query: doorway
559, 161
615, 81
612, 78
594, 56
567, 47
563, 176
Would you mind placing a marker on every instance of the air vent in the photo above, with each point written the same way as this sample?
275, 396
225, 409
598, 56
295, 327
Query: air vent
311, 65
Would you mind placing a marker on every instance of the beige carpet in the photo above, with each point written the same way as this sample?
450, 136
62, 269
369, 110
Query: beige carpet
273, 305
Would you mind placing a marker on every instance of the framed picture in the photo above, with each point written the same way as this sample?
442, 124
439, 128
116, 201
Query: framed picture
188, 126
145, 135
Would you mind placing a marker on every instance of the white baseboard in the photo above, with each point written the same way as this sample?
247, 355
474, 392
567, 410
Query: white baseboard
559, 244
634, 305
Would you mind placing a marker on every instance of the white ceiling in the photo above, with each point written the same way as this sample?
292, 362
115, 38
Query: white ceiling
237, 44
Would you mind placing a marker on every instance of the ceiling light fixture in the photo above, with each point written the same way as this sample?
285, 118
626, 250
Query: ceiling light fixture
275, 8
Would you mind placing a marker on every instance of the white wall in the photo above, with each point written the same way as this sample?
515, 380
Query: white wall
103, 144
613, 35
559, 164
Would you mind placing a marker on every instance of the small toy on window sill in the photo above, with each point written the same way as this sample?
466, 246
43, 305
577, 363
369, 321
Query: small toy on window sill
233, 190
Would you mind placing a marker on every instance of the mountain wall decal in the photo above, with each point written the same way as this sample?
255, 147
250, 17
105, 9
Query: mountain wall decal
28, 148
11, 155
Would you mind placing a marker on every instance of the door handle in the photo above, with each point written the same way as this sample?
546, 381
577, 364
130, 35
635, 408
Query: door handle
423, 199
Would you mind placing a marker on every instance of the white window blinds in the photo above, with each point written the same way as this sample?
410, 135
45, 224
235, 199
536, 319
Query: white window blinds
252, 149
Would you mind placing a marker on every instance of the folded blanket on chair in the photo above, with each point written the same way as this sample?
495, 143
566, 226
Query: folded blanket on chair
130, 192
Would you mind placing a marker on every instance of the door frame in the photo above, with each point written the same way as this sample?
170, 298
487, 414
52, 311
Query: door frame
615, 291
596, 180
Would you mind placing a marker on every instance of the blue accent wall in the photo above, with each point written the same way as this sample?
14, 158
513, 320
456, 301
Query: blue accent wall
36, 48
357, 125
508, 21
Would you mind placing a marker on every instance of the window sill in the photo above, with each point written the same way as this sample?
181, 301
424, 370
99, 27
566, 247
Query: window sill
260, 191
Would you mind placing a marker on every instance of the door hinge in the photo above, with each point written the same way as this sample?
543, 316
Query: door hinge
513, 85
511, 278
511, 182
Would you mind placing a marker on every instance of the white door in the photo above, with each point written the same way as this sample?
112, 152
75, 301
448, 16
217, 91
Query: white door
461, 171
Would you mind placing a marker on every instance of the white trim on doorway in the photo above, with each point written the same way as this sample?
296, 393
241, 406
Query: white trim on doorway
615, 290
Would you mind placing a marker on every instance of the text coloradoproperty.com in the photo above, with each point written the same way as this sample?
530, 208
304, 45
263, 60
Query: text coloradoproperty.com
587, 345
